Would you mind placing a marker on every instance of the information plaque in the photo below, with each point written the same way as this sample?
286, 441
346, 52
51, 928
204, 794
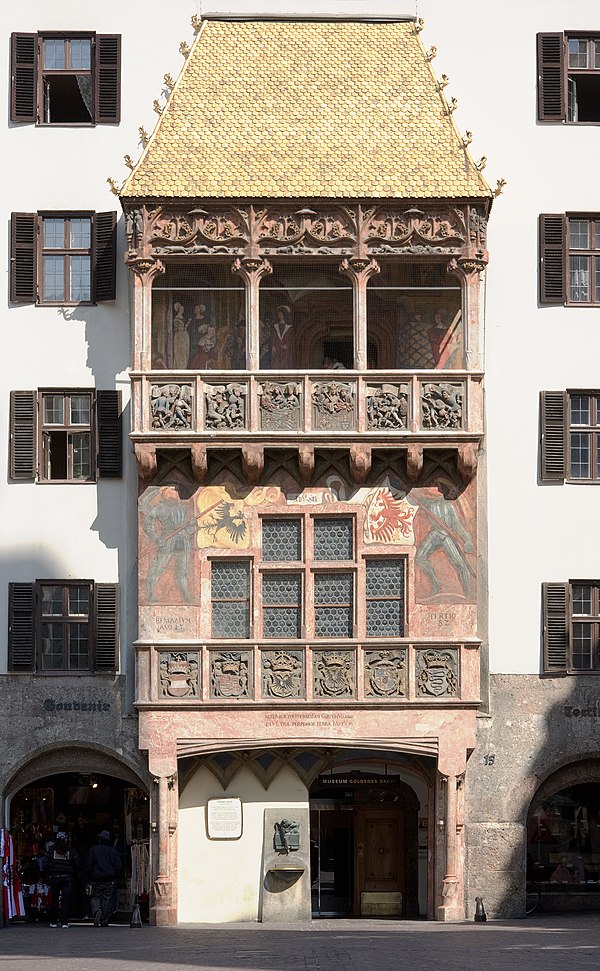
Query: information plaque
224, 819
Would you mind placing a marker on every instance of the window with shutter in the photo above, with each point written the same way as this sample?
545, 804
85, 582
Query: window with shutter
66, 78
23, 415
75, 253
21, 626
569, 77
57, 625
552, 259
556, 626
570, 259
59, 435
554, 436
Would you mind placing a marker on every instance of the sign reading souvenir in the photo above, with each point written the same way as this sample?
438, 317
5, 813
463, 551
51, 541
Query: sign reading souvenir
224, 819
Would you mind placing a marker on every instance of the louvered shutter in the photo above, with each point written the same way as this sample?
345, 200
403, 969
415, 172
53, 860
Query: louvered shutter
555, 600
110, 449
23, 77
551, 77
23, 422
108, 79
106, 596
552, 258
105, 256
21, 626
23, 257
554, 440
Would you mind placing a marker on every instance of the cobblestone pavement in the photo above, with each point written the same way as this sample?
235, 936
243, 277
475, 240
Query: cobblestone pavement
538, 944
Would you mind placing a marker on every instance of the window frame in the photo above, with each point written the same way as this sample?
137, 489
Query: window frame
556, 252
556, 429
69, 429
66, 620
555, 73
66, 252
27, 253
27, 428
307, 569
27, 77
26, 620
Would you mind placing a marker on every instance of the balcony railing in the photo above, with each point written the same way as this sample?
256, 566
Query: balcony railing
341, 404
265, 674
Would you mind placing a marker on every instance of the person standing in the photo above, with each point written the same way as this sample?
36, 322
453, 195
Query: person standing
104, 870
60, 867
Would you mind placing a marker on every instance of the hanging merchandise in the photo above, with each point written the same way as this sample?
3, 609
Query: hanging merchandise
140, 869
12, 897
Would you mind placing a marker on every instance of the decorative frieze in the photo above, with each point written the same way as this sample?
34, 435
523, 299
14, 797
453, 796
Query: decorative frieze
171, 406
178, 675
282, 674
442, 404
283, 230
333, 406
334, 674
385, 674
437, 672
225, 406
388, 229
387, 406
280, 406
225, 229
230, 674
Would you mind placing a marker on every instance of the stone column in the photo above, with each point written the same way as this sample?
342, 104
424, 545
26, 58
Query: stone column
145, 269
468, 271
163, 910
450, 904
359, 270
252, 269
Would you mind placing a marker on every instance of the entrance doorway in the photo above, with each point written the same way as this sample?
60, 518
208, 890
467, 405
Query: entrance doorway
364, 854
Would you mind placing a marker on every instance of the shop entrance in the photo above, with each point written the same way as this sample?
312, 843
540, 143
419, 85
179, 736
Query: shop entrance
363, 832
80, 804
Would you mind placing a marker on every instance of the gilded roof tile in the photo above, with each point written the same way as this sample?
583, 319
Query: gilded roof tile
273, 109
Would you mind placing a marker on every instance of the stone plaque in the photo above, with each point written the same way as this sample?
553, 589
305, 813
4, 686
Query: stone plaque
437, 672
385, 674
178, 674
334, 674
224, 819
168, 623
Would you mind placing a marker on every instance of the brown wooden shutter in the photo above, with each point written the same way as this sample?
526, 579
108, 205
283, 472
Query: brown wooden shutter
106, 597
554, 438
105, 256
23, 77
551, 77
108, 79
23, 415
110, 437
555, 601
21, 626
23, 257
553, 242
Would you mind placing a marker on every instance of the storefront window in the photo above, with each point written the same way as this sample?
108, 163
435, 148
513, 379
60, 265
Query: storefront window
563, 841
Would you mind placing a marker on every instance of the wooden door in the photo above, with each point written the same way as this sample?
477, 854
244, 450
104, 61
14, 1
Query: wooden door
379, 857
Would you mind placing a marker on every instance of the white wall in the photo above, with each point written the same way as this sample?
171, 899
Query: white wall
220, 880
76, 531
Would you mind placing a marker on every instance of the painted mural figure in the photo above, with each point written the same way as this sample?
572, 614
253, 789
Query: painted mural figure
449, 534
181, 338
282, 338
165, 520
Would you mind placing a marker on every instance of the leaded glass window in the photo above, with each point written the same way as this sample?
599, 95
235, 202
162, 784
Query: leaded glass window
230, 596
334, 604
333, 539
281, 596
282, 540
385, 597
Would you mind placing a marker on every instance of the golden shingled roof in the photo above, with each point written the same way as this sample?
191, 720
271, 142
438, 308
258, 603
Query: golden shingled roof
280, 109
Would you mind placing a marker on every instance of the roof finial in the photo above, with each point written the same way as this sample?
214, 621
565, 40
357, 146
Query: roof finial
499, 187
431, 53
184, 48
169, 82
419, 25
114, 186
468, 138
157, 107
443, 82
129, 162
481, 164
452, 106
144, 137
196, 22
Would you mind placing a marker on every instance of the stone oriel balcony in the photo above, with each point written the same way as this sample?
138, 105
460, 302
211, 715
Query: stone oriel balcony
171, 407
411, 672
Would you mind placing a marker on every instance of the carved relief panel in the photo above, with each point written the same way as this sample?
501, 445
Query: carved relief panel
171, 406
334, 674
387, 406
282, 674
385, 674
178, 675
280, 406
231, 674
437, 672
334, 406
442, 404
225, 406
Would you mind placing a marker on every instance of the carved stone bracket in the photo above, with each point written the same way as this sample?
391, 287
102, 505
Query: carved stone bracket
253, 462
146, 267
145, 457
306, 462
414, 462
251, 268
463, 267
360, 462
467, 460
199, 457
359, 269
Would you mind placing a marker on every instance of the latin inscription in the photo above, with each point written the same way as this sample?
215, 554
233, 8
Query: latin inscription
442, 618
310, 719
169, 622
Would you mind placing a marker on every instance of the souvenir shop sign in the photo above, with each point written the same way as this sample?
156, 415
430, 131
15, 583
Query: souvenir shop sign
50, 704
224, 819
